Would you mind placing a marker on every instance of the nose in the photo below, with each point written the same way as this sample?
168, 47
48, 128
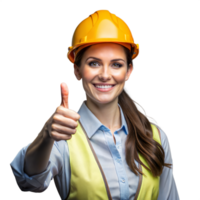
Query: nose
105, 73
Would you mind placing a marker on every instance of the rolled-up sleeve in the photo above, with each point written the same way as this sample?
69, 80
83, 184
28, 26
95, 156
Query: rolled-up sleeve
167, 189
38, 182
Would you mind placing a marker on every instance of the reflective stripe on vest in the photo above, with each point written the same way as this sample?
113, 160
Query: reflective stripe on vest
87, 177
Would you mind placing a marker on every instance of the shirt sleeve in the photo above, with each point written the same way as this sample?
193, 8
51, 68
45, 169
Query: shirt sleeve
38, 182
167, 189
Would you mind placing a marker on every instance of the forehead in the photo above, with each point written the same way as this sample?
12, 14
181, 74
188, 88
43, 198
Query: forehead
105, 49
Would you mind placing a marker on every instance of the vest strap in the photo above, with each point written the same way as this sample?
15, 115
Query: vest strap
102, 173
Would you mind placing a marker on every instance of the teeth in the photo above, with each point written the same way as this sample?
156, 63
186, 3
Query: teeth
103, 86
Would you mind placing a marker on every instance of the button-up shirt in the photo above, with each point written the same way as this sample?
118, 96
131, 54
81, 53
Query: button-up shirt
121, 180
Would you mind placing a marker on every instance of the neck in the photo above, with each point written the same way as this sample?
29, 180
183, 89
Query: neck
108, 113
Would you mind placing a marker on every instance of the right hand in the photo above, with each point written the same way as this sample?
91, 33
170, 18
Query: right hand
62, 124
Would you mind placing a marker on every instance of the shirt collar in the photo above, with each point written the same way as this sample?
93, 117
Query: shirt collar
91, 124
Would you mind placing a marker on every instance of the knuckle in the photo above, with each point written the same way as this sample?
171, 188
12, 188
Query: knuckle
52, 134
56, 117
69, 137
75, 124
74, 131
60, 109
53, 126
55, 137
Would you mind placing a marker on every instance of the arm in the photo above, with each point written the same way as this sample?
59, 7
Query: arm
167, 189
49, 163
38, 153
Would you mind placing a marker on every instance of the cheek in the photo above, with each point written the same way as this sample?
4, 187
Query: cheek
88, 74
120, 75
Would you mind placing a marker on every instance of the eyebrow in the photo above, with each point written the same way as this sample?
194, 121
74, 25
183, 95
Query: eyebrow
100, 59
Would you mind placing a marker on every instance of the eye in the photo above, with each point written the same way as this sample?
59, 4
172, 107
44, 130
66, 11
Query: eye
119, 65
91, 63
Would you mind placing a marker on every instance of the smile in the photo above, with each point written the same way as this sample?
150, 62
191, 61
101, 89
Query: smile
103, 88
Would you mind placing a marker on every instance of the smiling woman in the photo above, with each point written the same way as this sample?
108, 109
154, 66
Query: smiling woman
109, 149
141, 145
104, 105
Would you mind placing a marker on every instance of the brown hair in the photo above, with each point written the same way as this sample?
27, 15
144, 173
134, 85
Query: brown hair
140, 137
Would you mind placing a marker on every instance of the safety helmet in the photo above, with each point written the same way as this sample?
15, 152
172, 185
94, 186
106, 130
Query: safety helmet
101, 26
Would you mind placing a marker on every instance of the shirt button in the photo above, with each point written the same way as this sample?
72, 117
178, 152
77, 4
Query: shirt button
123, 181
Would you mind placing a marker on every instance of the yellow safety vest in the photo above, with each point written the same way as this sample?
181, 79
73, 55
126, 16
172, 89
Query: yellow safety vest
88, 181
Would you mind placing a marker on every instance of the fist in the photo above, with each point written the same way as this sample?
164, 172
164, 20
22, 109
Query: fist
62, 124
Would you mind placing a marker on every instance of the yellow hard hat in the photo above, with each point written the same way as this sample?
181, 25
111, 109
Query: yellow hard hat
101, 26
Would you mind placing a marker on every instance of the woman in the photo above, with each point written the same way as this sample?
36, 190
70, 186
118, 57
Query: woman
108, 150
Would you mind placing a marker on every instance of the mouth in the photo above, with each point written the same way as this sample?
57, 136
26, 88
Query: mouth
103, 87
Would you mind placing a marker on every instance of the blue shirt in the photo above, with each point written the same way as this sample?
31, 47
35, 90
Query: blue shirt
121, 180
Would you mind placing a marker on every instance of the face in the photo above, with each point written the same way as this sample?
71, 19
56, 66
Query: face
103, 72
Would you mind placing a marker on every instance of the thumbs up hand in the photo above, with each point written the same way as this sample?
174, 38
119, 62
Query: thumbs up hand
62, 124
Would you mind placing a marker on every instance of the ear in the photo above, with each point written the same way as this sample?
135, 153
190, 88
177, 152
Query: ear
128, 73
77, 72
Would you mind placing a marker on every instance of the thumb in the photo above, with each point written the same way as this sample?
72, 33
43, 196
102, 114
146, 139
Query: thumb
64, 95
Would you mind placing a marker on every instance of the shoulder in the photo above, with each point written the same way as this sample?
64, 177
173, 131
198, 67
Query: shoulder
165, 144
164, 138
